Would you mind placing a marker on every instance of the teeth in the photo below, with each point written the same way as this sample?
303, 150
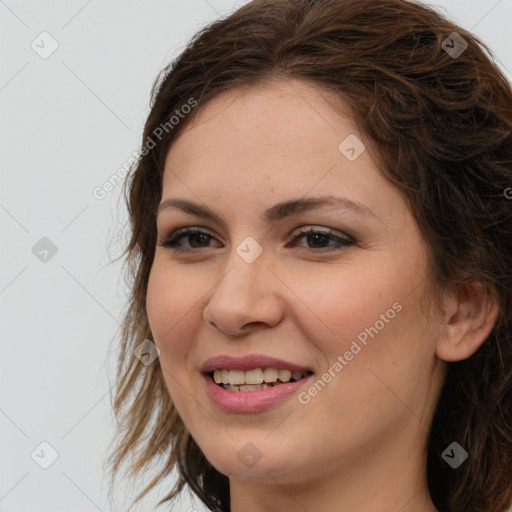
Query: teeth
253, 387
247, 387
270, 374
285, 375
254, 378
236, 377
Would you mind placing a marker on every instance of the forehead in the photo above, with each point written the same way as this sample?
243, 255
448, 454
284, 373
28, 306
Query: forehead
284, 121
271, 142
274, 113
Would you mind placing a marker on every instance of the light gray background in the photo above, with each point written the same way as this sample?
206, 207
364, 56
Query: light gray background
68, 123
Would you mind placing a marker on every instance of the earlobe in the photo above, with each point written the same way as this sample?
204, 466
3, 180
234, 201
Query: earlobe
470, 318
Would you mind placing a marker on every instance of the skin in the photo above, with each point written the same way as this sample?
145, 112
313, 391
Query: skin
359, 445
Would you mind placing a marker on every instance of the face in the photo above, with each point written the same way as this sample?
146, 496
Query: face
344, 301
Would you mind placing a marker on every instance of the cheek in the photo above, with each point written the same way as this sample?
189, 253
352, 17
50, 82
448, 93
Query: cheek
369, 319
339, 302
169, 314
169, 305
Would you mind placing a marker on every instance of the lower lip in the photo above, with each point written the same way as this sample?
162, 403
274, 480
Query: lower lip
251, 401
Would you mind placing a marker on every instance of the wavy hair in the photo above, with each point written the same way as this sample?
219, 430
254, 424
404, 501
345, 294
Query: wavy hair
440, 127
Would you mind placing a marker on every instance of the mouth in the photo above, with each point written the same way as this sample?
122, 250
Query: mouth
256, 379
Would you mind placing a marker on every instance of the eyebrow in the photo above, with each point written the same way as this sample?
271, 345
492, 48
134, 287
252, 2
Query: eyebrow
275, 213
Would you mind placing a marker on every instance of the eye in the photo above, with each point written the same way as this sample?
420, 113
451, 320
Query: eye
199, 238
316, 236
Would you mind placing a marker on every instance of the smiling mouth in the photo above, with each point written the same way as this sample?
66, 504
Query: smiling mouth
255, 380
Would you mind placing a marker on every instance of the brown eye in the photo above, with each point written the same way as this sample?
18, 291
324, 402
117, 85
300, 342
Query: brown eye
316, 237
196, 238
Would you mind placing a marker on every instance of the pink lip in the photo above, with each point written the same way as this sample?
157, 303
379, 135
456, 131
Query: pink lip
249, 362
250, 401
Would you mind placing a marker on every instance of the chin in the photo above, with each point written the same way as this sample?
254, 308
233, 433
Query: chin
257, 460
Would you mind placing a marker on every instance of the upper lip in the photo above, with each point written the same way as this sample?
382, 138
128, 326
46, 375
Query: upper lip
249, 362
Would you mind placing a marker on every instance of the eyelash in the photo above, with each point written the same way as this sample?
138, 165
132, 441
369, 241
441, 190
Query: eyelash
172, 240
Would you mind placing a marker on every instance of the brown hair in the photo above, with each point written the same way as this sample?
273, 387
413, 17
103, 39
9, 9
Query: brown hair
440, 126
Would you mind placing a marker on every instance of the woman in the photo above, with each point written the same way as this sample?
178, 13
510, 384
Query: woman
321, 259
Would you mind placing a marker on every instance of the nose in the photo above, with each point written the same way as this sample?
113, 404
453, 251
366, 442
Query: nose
245, 298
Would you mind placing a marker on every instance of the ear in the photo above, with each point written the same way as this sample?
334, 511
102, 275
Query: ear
471, 312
